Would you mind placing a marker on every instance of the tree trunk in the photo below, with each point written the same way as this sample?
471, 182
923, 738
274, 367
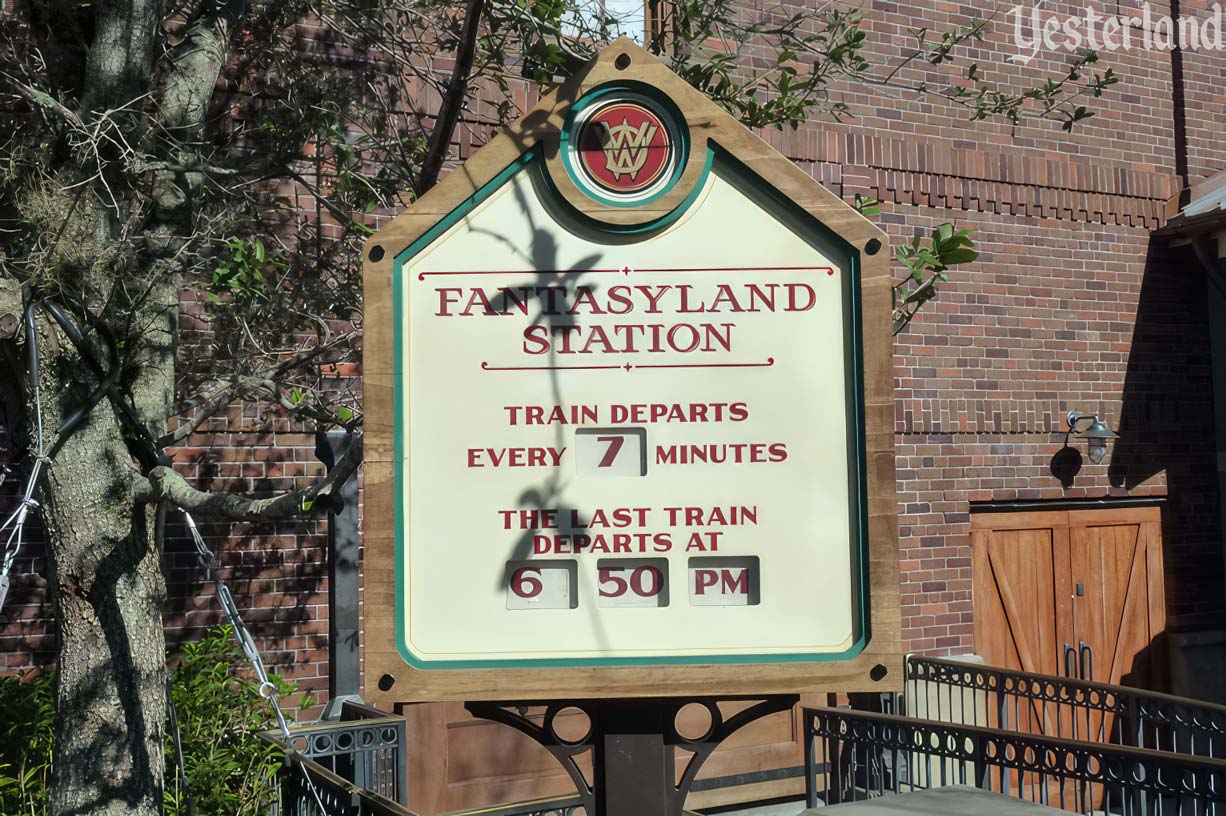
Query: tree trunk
108, 590
108, 593
105, 545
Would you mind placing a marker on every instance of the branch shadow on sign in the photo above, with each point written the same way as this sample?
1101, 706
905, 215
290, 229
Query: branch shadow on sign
548, 276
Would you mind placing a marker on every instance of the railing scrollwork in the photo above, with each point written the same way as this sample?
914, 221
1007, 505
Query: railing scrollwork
869, 754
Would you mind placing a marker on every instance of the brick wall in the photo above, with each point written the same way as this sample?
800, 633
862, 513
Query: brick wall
1070, 305
277, 571
1202, 77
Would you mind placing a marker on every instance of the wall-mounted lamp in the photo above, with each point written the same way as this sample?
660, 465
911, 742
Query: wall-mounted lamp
1098, 436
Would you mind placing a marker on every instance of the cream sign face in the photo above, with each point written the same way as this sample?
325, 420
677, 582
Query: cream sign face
620, 448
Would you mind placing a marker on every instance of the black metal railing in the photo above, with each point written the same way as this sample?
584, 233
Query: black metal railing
1069, 743
943, 689
866, 755
356, 764
306, 785
365, 747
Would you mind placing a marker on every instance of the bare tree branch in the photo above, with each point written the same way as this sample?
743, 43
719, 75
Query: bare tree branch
328, 204
453, 98
45, 101
219, 394
163, 483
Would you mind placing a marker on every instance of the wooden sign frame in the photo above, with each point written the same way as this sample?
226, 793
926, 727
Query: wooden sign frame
389, 680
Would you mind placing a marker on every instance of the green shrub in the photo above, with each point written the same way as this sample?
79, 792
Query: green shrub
27, 714
230, 771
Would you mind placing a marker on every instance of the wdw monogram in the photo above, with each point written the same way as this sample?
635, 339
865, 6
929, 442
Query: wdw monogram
625, 147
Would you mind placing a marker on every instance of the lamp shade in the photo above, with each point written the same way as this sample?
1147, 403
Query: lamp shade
1098, 436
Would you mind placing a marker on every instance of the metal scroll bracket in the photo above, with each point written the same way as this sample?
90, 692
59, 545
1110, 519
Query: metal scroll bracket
632, 744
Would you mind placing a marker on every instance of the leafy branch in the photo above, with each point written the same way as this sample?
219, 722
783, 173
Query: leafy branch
927, 265
819, 51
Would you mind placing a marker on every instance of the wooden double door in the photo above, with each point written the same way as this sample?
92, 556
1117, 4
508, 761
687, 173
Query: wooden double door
1076, 593
1072, 592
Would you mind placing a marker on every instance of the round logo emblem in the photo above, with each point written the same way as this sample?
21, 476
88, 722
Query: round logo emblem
625, 147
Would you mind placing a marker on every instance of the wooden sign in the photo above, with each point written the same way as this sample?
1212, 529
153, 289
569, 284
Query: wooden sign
629, 415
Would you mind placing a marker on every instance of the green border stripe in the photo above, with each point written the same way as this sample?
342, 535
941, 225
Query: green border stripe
855, 371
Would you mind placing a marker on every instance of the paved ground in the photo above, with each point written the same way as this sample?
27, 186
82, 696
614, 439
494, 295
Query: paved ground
949, 801
784, 809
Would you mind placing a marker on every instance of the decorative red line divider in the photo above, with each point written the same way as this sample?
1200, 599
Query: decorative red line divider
770, 361
424, 275
626, 270
485, 366
827, 269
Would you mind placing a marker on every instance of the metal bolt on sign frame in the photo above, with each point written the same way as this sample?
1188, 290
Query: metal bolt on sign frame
633, 746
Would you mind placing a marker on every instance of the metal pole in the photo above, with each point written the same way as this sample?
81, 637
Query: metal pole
810, 763
344, 666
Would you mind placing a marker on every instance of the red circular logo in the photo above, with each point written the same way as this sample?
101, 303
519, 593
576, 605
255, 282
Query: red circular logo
625, 147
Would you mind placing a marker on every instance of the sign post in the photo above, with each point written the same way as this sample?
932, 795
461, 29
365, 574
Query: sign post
629, 425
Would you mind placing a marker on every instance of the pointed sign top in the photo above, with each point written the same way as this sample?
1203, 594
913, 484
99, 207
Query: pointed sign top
625, 83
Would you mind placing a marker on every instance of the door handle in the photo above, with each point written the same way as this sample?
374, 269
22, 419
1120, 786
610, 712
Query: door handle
1085, 660
1070, 654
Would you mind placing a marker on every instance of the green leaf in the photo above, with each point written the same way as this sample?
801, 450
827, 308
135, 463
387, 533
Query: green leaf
867, 206
958, 256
